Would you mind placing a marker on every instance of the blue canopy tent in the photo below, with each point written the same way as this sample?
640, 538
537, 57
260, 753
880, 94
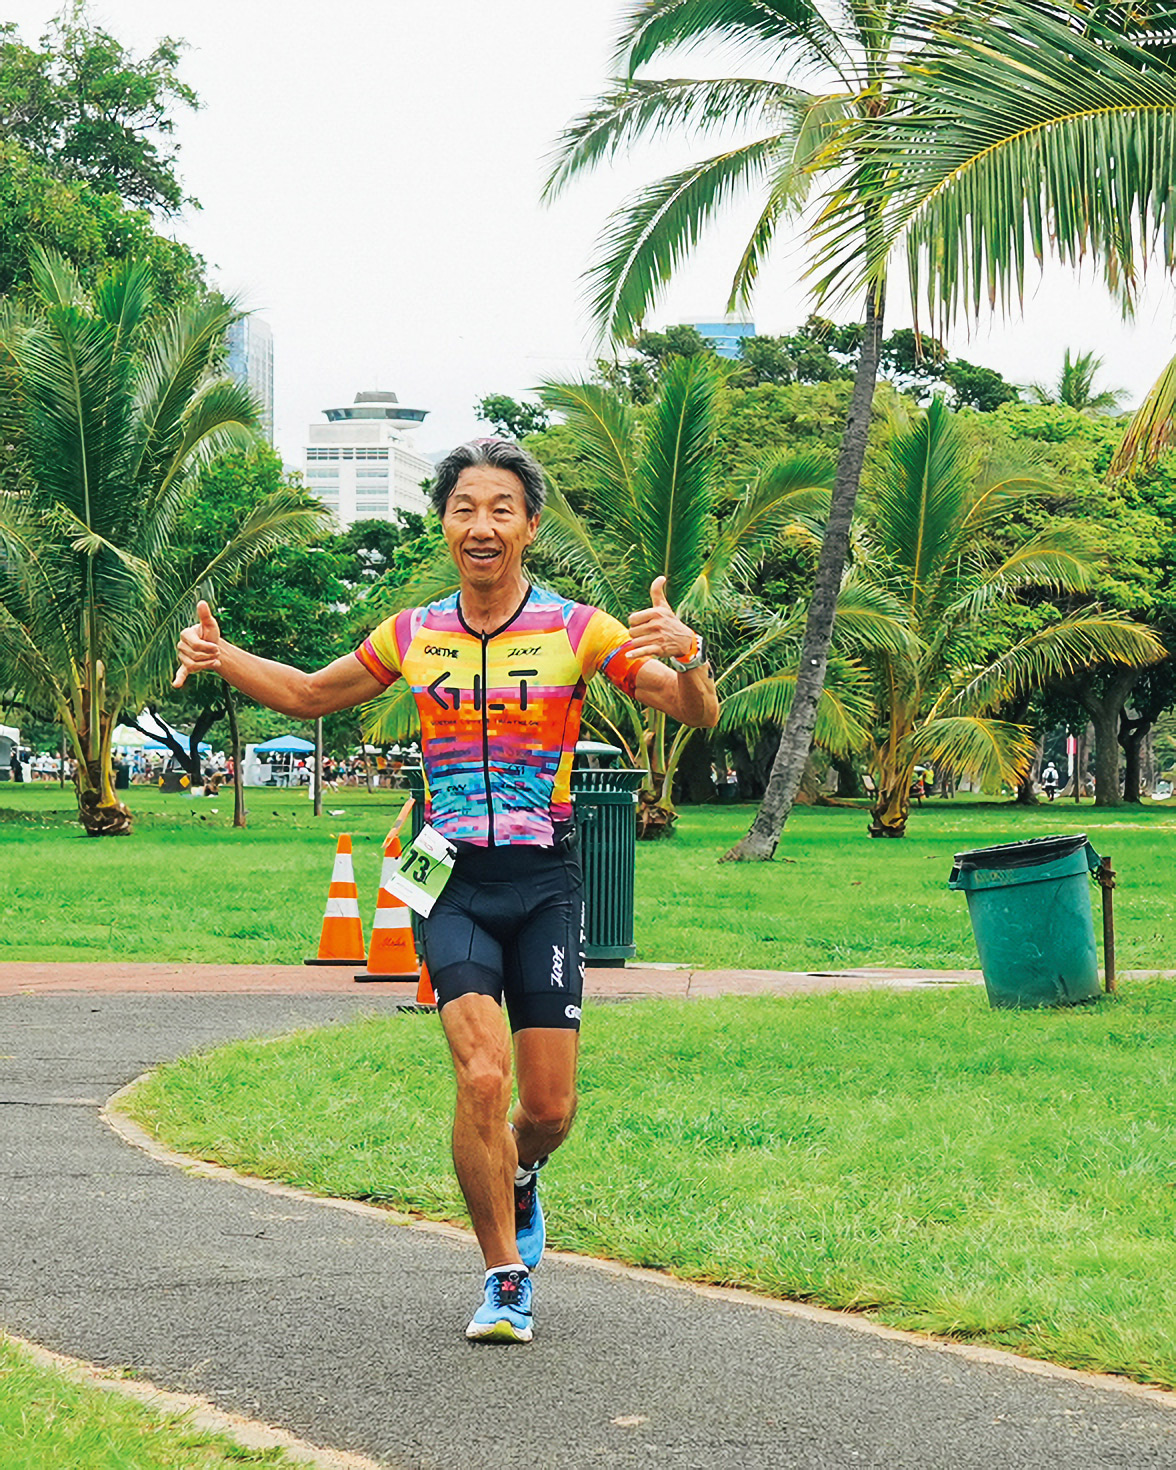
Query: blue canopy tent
286, 745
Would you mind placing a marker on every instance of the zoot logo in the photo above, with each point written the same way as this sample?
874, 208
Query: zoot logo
557, 962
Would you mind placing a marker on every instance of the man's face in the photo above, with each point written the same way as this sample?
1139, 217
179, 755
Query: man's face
487, 528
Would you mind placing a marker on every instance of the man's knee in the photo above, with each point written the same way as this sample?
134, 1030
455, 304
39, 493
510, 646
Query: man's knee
550, 1110
484, 1082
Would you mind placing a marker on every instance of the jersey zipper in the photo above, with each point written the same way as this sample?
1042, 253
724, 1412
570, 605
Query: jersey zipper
485, 641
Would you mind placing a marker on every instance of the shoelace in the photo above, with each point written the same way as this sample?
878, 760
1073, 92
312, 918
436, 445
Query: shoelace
524, 1202
507, 1289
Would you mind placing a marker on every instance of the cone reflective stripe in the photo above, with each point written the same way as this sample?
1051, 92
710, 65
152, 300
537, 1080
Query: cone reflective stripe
426, 996
392, 955
341, 941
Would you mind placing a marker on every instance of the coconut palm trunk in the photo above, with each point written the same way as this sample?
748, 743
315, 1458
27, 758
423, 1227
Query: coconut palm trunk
797, 738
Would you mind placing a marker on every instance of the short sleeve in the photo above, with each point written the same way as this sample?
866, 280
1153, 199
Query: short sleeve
380, 653
603, 649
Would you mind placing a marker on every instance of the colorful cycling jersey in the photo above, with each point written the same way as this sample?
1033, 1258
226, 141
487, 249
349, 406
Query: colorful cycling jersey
500, 711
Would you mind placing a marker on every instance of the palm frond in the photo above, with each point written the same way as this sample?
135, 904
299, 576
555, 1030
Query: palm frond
580, 549
922, 491
790, 184
636, 108
844, 711
871, 620
391, 716
785, 30
1080, 642
282, 518
650, 235
606, 433
122, 299
676, 473
56, 279
1011, 134
991, 751
787, 489
219, 416
1152, 428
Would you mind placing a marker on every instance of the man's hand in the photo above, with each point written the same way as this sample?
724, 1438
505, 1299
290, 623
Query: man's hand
658, 630
199, 646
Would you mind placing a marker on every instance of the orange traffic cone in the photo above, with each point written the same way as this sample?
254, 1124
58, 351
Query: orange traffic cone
393, 953
341, 942
426, 996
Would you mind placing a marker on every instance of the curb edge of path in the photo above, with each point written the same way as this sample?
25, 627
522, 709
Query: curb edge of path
137, 1137
251, 1434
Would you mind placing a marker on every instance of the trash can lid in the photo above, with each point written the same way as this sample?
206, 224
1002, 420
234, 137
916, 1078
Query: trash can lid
1027, 854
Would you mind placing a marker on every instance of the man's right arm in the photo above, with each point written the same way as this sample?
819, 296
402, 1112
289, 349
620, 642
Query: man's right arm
339, 685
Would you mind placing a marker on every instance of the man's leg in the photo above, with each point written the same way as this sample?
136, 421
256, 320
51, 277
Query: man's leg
483, 1147
545, 1065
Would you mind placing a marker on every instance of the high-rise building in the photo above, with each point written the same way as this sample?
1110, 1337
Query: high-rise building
725, 334
251, 362
362, 464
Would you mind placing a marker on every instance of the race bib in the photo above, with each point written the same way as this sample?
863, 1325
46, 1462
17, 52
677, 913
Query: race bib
423, 871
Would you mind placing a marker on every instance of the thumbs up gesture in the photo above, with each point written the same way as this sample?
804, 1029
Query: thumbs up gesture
658, 630
199, 646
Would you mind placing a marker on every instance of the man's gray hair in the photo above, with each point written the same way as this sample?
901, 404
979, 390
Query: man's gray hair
500, 454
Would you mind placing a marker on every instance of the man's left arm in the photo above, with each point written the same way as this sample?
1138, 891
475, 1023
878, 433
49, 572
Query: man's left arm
657, 632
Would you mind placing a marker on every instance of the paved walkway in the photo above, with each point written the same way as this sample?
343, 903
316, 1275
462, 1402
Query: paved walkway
605, 984
344, 1326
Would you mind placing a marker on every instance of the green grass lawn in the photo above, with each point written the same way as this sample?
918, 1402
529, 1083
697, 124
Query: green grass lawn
1006, 1177
185, 886
50, 1422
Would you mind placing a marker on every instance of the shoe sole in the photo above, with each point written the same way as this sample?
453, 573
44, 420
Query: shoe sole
499, 1332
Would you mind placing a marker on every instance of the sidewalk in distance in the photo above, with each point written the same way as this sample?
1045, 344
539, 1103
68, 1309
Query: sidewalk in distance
604, 984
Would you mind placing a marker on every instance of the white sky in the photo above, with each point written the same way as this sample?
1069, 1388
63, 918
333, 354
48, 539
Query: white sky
370, 172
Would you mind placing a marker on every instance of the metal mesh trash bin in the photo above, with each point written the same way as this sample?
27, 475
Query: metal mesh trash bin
605, 800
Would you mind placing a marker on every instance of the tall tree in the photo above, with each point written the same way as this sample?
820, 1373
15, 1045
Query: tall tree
110, 410
647, 239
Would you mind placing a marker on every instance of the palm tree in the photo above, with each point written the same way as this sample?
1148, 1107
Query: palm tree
654, 486
1075, 387
649, 236
109, 409
935, 505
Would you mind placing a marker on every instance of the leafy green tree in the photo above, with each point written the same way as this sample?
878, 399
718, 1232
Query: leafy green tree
92, 113
509, 417
289, 603
1075, 386
976, 387
636, 374
111, 410
936, 511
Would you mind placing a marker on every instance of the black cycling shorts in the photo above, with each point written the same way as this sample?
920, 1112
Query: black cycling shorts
510, 924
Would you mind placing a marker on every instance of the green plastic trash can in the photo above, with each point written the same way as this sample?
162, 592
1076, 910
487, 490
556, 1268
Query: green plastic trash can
1029, 903
605, 800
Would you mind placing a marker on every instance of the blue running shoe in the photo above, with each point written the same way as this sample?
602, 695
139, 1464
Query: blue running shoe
530, 1231
505, 1315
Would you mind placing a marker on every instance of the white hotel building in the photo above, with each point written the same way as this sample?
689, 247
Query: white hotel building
361, 463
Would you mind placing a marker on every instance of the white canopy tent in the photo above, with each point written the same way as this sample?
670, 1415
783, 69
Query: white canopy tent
9, 741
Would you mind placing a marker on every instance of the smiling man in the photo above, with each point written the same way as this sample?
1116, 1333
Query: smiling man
498, 672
